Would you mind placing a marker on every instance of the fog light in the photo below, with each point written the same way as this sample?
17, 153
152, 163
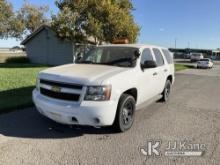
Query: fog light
97, 120
74, 120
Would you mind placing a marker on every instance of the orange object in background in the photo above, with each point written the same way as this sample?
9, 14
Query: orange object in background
121, 41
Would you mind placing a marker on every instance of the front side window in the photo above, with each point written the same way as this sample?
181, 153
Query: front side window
115, 56
159, 57
168, 56
146, 56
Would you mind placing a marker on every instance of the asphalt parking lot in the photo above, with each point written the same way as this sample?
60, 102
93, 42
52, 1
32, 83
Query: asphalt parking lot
192, 114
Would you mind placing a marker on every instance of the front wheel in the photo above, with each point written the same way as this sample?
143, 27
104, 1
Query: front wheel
166, 91
125, 113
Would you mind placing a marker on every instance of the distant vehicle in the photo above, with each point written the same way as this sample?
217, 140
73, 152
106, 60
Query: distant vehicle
205, 63
196, 57
187, 56
179, 55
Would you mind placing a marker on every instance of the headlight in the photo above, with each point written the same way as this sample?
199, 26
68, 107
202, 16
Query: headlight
38, 84
98, 93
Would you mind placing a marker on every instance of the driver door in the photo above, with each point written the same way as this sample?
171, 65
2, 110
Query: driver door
147, 78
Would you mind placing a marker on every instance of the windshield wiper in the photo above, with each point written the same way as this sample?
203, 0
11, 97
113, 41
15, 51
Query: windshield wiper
120, 60
86, 62
112, 63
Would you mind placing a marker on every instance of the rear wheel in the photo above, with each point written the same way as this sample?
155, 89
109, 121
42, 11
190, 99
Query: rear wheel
166, 91
125, 113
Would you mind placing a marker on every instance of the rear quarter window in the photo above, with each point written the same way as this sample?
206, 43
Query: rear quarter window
159, 57
168, 56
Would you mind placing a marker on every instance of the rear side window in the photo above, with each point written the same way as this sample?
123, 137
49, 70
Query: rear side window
168, 56
159, 57
146, 56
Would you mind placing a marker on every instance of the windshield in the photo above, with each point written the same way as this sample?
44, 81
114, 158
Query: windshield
116, 56
197, 55
204, 59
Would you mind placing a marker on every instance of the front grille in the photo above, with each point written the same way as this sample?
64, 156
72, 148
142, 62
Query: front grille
61, 84
59, 95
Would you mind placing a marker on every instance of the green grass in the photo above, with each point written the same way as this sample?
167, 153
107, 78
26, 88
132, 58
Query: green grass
16, 84
179, 67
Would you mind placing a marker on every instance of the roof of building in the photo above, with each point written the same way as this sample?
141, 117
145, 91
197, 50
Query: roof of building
32, 35
216, 51
42, 27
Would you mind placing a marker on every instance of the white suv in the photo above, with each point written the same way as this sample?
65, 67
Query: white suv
205, 63
196, 57
105, 86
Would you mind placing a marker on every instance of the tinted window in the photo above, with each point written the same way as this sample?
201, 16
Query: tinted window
196, 55
159, 57
205, 59
168, 56
110, 55
146, 56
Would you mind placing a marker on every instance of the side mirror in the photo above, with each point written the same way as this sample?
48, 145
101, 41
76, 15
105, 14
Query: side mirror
78, 58
137, 53
149, 64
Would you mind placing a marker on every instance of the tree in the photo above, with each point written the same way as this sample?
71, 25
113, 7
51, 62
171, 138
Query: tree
104, 20
28, 19
6, 18
23, 22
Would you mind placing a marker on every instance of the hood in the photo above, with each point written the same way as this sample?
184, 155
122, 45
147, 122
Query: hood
81, 73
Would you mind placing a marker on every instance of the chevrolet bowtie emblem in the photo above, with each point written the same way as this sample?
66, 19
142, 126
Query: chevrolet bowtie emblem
56, 89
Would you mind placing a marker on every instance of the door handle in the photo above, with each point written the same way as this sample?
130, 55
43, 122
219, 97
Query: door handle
165, 70
155, 73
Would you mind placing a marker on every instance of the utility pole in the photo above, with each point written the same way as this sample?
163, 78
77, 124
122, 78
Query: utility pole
175, 41
188, 47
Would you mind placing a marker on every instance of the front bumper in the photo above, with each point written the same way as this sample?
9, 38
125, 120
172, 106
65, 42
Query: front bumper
93, 113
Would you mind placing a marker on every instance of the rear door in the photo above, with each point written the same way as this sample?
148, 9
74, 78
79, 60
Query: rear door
169, 59
161, 71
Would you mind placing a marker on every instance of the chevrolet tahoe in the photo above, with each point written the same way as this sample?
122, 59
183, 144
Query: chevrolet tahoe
105, 86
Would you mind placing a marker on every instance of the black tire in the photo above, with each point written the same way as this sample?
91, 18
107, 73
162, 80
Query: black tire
125, 113
166, 91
